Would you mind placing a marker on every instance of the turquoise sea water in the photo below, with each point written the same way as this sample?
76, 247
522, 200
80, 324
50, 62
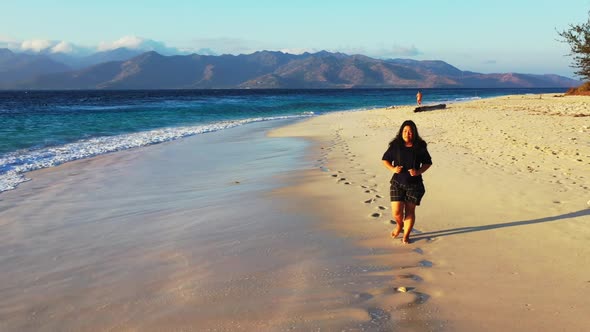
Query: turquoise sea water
41, 129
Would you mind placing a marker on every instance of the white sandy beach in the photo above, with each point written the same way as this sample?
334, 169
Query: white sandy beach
504, 225
180, 239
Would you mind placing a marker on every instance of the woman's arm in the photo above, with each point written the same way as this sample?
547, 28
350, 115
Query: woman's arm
422, 169
389, 166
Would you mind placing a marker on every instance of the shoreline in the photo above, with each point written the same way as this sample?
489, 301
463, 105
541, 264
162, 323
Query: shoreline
503, 226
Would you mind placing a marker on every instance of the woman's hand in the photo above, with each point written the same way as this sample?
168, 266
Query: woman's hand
395, 169
416, 172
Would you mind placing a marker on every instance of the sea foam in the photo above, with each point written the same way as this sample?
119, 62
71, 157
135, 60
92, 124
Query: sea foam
13, 165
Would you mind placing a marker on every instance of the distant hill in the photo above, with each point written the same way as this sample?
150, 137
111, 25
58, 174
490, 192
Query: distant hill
270, 70
15, 67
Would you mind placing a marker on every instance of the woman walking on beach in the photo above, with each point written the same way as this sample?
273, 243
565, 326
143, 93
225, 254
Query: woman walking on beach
408, 158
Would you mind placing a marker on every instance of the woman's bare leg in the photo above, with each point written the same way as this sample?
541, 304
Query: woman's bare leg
410, 209
397, 210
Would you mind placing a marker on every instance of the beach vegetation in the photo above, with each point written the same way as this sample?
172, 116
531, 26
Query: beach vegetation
583, 90
578, 38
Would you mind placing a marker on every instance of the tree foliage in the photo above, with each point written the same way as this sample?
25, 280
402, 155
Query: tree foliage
578, 37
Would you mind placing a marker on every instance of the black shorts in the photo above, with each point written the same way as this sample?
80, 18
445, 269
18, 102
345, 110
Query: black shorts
411, 193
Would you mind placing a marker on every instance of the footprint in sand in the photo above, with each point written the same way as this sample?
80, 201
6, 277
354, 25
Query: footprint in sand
422, 263
419, 298
410, 276
382, 207
369, 201
425, 263
376, 215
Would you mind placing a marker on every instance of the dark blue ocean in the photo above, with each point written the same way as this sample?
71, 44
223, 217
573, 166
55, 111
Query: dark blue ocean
41, 129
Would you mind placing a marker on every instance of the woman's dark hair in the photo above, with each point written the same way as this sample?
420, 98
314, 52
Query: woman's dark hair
399, 141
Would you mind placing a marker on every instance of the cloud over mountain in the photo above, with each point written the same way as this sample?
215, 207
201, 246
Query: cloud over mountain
43, 46
139, 43
36, 45
62, 47
65, 47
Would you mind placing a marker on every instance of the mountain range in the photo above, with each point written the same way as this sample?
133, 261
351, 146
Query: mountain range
128, 69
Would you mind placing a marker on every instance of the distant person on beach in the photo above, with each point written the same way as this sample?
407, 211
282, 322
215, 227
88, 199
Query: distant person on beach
408, 158
419, 98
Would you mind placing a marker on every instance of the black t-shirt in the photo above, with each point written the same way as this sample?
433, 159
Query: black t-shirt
413, 157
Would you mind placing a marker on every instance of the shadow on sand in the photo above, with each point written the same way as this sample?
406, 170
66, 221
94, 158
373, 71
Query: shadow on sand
461, 230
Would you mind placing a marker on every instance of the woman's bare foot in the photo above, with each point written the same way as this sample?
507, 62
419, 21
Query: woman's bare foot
406, 240
396, 231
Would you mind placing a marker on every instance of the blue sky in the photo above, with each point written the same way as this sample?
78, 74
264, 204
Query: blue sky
483, 36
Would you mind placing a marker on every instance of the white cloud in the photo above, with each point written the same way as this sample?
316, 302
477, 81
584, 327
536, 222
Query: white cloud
36, 45
57, 46
139, 43
298, 50
62, 47
130, 42
50, 46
